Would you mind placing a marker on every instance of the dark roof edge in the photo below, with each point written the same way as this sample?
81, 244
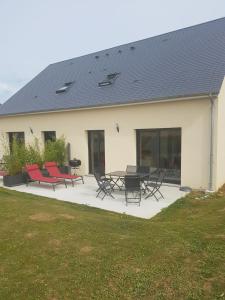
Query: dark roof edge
129, 43
135, 102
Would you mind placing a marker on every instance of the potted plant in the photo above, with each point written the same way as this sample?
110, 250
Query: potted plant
56, 151
34, 155
13, 164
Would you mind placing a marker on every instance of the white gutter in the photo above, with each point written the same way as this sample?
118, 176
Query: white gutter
211, 148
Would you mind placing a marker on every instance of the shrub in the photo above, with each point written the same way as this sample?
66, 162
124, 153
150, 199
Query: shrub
34, 155
56, 151
15, 161
20, 155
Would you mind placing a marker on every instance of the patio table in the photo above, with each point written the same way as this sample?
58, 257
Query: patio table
117, 177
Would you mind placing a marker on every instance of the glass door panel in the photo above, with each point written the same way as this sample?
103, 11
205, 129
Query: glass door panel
96, 145
149, 149
160, 149
170, 148
170, 153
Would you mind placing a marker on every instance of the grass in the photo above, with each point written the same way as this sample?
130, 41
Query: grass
54, 250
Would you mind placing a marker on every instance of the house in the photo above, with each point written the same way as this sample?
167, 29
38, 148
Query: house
157, 102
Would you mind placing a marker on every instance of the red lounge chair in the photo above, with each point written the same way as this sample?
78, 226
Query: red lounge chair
54, 172
36, 175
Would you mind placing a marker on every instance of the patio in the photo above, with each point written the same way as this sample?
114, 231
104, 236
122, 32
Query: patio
86, 194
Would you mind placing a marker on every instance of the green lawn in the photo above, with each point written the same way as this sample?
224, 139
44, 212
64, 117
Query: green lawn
54, 250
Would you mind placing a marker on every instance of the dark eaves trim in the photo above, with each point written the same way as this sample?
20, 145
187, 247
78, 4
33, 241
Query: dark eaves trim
118, 104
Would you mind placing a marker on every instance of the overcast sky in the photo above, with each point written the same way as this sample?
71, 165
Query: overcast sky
35, 33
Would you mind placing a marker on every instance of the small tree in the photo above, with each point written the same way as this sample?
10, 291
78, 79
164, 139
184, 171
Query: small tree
34, 155
56, 151
15, 160
20, 155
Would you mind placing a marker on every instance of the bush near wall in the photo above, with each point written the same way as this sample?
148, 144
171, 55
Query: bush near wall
20, 155
56, 151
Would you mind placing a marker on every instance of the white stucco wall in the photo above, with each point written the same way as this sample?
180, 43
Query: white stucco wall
193, 116
219, 165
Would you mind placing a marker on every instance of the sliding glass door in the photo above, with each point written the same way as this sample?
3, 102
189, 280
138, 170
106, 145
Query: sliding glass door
160, 148
96, 147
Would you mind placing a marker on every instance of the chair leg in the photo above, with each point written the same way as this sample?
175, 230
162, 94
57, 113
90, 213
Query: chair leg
72, 182
53, 186
157, 199
158, 191
82, 179
98, 193
65, 183
161, 194
150, 194
109, 194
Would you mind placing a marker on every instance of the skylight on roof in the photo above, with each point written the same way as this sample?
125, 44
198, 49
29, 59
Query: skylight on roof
104, 83
64, 88
112, 76
109, 80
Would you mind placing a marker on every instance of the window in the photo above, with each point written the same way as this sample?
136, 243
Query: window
17, 136
160, 149
49, 136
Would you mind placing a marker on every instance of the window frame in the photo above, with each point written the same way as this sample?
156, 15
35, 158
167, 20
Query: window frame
44, 133
14, 135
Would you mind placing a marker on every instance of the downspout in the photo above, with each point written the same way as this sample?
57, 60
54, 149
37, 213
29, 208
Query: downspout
211, 150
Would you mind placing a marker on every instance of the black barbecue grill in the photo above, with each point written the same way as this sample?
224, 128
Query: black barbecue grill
74, 163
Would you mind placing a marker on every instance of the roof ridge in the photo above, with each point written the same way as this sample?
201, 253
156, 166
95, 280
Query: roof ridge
129, 43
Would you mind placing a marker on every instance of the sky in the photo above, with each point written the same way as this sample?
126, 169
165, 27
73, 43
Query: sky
36, 33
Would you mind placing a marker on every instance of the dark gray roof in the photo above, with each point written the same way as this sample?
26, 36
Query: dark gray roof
185, 62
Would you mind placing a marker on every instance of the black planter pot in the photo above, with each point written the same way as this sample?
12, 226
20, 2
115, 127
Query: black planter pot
14, 180
65, 169
44, 172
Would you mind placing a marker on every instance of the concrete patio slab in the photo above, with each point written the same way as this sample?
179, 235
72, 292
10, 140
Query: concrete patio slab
86, 194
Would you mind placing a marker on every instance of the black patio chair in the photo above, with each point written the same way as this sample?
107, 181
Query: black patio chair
104, 186
132, 189
153, 188
145, 174
103, 176
143, 170
131, 169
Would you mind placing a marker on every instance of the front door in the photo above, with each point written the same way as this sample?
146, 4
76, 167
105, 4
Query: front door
96, 147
